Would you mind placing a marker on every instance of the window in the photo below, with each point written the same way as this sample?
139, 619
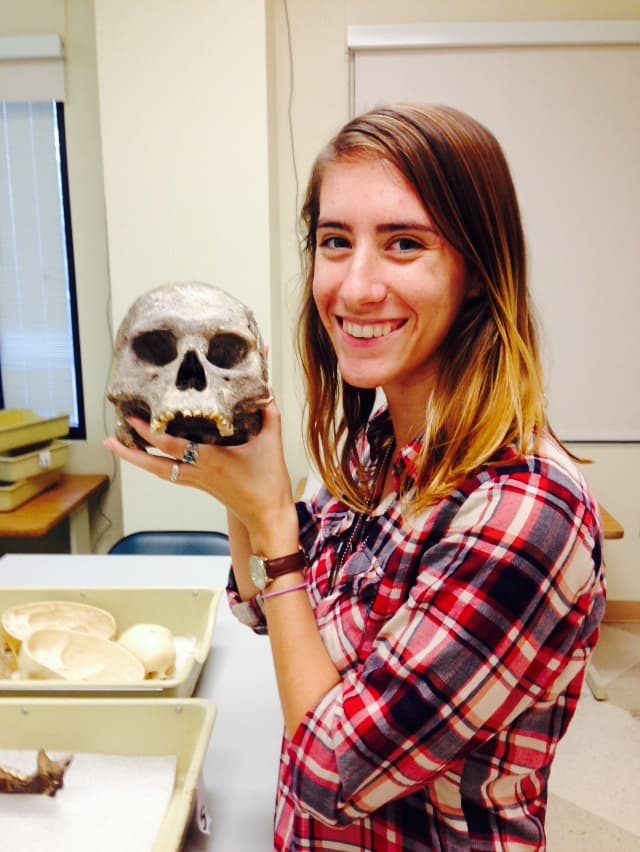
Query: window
39, 341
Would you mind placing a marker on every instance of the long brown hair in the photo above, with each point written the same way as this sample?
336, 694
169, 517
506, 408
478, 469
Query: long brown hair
489, 390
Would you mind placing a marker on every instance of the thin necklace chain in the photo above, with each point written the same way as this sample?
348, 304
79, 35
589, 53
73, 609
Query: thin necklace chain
356, 526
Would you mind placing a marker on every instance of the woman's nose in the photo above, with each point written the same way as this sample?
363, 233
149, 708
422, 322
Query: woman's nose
362, 281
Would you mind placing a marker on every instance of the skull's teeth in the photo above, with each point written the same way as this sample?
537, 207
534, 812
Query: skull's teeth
225, 427
159, 424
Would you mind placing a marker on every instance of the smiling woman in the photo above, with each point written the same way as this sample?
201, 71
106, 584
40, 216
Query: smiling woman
423, 212
432, 608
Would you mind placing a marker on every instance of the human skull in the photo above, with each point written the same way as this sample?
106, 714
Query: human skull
189, 359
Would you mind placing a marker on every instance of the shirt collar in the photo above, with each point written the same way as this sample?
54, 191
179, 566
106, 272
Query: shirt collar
379, 431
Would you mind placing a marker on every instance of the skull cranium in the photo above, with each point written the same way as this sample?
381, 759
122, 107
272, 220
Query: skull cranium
190, 360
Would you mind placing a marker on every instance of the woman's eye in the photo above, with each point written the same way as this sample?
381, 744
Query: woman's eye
335, 243
405, 244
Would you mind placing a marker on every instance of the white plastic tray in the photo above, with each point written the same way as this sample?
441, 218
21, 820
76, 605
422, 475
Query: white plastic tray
21, 427
186, 612
140, 727
17, 465
15, 494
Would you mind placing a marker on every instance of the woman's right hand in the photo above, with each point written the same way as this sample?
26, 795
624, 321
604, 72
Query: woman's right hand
251, 479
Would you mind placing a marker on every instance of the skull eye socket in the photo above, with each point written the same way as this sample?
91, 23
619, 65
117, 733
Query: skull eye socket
227, 351
156, 347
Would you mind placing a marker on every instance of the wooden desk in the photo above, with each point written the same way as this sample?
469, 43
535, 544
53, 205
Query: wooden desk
68, 498
610, 527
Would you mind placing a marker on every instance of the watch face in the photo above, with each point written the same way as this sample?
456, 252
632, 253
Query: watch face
257, 572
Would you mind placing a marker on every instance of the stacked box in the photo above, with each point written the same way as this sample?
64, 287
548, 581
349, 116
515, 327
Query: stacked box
31, 454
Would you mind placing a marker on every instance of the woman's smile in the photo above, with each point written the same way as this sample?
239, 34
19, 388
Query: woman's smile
367, 330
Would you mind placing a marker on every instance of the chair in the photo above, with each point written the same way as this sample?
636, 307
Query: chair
179, 542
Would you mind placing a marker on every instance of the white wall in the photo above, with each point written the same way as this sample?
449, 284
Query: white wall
183, 113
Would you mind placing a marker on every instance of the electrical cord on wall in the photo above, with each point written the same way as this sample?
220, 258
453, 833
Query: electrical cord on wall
114, 465
297, 223
290, 108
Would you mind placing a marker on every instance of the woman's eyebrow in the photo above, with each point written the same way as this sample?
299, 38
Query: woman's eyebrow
384, 228
394, 227
332, 223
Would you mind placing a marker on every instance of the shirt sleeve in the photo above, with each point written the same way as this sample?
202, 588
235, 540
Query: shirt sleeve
502, 614
248, 612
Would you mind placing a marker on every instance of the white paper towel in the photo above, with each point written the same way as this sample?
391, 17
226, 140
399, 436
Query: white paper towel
108, 802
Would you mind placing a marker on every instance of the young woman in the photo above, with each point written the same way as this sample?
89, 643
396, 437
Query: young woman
430, 638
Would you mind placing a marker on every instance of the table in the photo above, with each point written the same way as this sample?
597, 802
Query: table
68, 498
610, 527
240, 769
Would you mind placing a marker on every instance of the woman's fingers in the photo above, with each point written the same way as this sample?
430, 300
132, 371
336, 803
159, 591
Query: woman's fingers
245, 477
167, 444
165, 468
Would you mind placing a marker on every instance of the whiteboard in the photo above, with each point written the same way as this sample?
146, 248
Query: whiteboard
568, 118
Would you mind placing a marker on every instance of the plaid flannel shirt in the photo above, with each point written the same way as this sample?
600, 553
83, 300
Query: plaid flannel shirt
462, 638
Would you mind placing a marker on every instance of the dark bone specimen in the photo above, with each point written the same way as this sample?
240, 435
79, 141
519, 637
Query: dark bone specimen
46, 780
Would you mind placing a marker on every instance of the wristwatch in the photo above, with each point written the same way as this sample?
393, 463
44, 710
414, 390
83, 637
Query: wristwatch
263, 571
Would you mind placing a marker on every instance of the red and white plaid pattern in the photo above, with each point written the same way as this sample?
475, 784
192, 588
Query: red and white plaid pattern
462, 638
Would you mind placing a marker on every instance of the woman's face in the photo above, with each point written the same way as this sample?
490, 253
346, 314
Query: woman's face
387, 285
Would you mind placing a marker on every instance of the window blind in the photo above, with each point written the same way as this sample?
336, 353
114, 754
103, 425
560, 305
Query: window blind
36, 340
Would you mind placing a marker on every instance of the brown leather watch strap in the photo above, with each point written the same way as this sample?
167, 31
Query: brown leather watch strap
285, 564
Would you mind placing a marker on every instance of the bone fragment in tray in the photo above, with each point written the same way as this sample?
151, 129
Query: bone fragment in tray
47, 779
109, 802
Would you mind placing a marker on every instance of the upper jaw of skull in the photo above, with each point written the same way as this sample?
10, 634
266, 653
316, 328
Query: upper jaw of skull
188, 408
189, 359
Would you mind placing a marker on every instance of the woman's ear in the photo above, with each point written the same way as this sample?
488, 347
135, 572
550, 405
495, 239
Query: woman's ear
474, 287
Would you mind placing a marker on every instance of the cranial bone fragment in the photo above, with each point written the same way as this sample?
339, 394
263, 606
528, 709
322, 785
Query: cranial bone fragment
189, 359
154, 646
21, 620
57, 654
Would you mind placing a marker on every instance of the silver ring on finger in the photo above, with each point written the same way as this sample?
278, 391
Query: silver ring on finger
175, 472
191, 453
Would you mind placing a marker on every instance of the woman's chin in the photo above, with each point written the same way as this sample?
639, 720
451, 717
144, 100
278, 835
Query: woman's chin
359, 381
